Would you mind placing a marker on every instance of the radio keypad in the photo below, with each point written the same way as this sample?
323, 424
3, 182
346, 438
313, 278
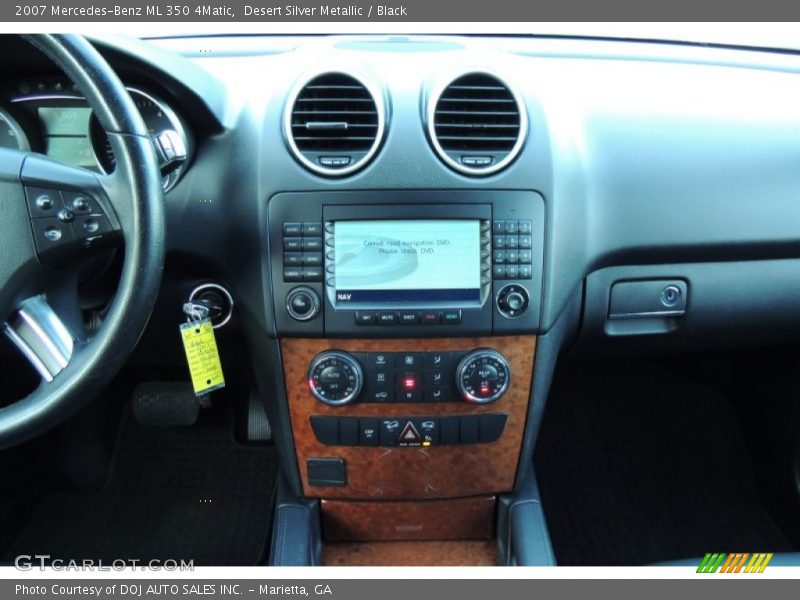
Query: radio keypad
302, 252
512, 256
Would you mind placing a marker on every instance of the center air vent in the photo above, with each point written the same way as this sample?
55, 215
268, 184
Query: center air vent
477, 124
334, 124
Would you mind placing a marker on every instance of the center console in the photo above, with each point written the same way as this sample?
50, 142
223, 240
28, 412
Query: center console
407, 325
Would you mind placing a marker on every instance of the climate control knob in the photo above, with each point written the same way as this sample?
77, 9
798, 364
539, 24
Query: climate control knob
335, 378
483, 376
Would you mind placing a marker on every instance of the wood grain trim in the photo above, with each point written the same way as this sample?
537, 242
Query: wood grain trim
456, 519
412, 473
473, 553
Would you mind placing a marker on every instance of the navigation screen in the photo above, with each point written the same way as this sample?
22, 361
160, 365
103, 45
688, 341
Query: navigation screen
407, 261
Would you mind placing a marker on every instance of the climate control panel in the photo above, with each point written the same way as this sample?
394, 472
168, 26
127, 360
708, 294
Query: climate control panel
337, 378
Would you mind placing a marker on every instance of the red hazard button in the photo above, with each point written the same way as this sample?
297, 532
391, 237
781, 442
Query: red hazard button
409, 436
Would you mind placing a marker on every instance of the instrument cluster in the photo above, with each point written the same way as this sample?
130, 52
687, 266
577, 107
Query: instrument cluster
51, 116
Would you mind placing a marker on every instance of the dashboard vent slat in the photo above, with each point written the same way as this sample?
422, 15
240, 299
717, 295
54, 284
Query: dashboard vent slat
334, 124
476, 124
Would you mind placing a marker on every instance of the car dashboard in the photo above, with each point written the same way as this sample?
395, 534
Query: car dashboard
410, 229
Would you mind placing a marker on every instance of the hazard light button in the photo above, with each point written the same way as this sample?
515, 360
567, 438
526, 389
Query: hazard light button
409, 436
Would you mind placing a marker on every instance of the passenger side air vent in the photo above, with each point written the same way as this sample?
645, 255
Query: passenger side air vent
334, 124
477, 124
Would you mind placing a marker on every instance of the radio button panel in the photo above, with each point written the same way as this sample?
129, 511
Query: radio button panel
300, 232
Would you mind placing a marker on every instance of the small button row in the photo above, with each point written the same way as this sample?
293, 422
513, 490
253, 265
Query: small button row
302, 252
512, 257
512, 227
302, 274
408, 317
299, 259
512, 242
302, 229
408, 431
500, 271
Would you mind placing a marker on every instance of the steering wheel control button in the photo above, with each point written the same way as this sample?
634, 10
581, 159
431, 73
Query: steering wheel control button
483, 376
512, 301
80, 204
335, 378
303, 303
52, 233
43, 202
91, 226
65, 215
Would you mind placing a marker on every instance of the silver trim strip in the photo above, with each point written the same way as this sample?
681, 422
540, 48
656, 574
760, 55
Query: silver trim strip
41, 336
646, 314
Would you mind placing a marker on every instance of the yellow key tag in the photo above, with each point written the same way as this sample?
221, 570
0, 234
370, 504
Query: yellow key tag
202, 355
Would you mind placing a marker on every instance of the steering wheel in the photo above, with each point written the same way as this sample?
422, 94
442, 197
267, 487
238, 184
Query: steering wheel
55, 217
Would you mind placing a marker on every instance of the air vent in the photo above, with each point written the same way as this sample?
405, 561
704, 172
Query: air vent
335, 124
477, 124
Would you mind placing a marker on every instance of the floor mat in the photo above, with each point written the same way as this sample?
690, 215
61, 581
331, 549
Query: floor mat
637, 465
186, 493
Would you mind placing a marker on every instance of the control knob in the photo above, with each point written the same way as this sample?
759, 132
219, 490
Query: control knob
335, 378
483, 376
303, 303
512, 301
